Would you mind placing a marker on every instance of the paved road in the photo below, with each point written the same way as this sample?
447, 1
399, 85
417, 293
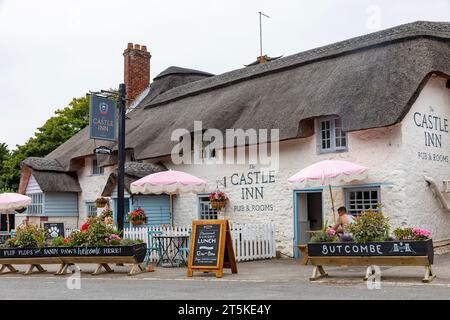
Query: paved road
275, 279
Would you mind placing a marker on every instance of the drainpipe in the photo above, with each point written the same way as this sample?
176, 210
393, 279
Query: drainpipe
434, 187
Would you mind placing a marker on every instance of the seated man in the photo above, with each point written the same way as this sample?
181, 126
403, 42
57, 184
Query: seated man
343, 220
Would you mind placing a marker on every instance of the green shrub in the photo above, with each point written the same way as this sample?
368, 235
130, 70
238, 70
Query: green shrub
28, 236
369, 226
57, 242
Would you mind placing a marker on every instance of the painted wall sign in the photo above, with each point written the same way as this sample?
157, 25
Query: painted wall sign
102, 118
253, 188
435, 131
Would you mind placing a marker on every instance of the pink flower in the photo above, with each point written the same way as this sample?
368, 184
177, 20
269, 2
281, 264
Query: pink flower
331, 232
421, 232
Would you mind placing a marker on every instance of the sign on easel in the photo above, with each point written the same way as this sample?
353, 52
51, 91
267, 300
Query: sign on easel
211, 248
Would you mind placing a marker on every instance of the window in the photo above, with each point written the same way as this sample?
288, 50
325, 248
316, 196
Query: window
37, 203
332, 137
95, 168
206, 212
91, 209
358, 200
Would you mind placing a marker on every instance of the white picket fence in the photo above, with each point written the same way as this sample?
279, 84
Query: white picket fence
250, 242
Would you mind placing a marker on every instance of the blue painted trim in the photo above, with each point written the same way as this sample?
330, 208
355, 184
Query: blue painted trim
295, 194
367, 185
199, 195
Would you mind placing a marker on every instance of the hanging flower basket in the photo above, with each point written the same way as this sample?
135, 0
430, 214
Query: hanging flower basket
218, 200
101, 202
137, 217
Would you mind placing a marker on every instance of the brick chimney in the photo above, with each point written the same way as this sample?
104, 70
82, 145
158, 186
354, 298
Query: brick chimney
136, 70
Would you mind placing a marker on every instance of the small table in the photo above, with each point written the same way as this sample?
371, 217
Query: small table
170, 249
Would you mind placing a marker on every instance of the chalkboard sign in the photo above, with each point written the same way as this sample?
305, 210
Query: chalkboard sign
206, 246
211, 247
53, 230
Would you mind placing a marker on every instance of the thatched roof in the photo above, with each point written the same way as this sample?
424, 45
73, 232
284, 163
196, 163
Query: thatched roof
133, 172
50, 175
57, 181
369, 81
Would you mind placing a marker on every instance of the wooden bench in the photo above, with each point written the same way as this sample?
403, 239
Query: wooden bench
6, 264
370, 261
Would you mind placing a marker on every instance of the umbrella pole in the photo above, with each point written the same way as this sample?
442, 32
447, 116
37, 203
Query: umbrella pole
171, 210
7, 221
332, 204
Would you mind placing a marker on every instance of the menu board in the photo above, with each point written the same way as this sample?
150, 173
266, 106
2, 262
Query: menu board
211, 248
206, 245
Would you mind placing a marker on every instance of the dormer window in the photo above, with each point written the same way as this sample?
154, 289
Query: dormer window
331, 137
96, 170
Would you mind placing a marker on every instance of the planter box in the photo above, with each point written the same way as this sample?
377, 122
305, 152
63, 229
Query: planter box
373, 249
134, 254
391, 253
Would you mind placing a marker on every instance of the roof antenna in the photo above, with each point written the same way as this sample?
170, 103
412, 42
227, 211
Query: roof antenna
260, 36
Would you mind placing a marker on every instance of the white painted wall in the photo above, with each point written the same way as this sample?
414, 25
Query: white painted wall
92, 186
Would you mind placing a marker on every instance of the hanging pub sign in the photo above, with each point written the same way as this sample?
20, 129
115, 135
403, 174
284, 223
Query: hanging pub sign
102, 118
211, 248
102, 150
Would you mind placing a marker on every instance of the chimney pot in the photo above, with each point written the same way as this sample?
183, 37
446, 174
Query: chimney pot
136, 70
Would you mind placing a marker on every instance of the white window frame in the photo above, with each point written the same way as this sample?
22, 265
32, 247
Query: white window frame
203, 202
89, 205
37, 203
366, 203
95, 169
333, 148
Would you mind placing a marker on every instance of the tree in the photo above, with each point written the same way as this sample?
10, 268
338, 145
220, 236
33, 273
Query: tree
58, 129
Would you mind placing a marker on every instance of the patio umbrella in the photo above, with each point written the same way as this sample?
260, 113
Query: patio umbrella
328, 172
12, 201
169, 182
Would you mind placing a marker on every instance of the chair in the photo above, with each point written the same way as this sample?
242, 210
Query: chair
153, 245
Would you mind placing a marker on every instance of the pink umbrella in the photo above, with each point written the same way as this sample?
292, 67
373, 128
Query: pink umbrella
13, 201
170, 182
327, 172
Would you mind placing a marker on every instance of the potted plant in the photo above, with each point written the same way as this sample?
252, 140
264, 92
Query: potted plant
137, 217
101, 202
218, 200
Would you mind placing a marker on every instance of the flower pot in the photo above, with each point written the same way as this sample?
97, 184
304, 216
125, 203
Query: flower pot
137, 223
101, 203
217, 204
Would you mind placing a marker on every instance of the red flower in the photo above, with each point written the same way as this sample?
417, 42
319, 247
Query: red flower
66, 240
84, 227
212, 196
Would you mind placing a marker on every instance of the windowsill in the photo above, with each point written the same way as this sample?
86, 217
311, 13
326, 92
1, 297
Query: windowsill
96, 174
333, 151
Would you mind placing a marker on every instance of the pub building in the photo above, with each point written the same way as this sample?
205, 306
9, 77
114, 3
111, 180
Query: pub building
381, 100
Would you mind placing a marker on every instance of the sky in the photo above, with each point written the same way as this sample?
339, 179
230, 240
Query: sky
53, 50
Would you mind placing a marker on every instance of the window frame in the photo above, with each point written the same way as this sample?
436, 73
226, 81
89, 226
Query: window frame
88, 204
213, 214
94, 165
333, 137
36, 205
369, 189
